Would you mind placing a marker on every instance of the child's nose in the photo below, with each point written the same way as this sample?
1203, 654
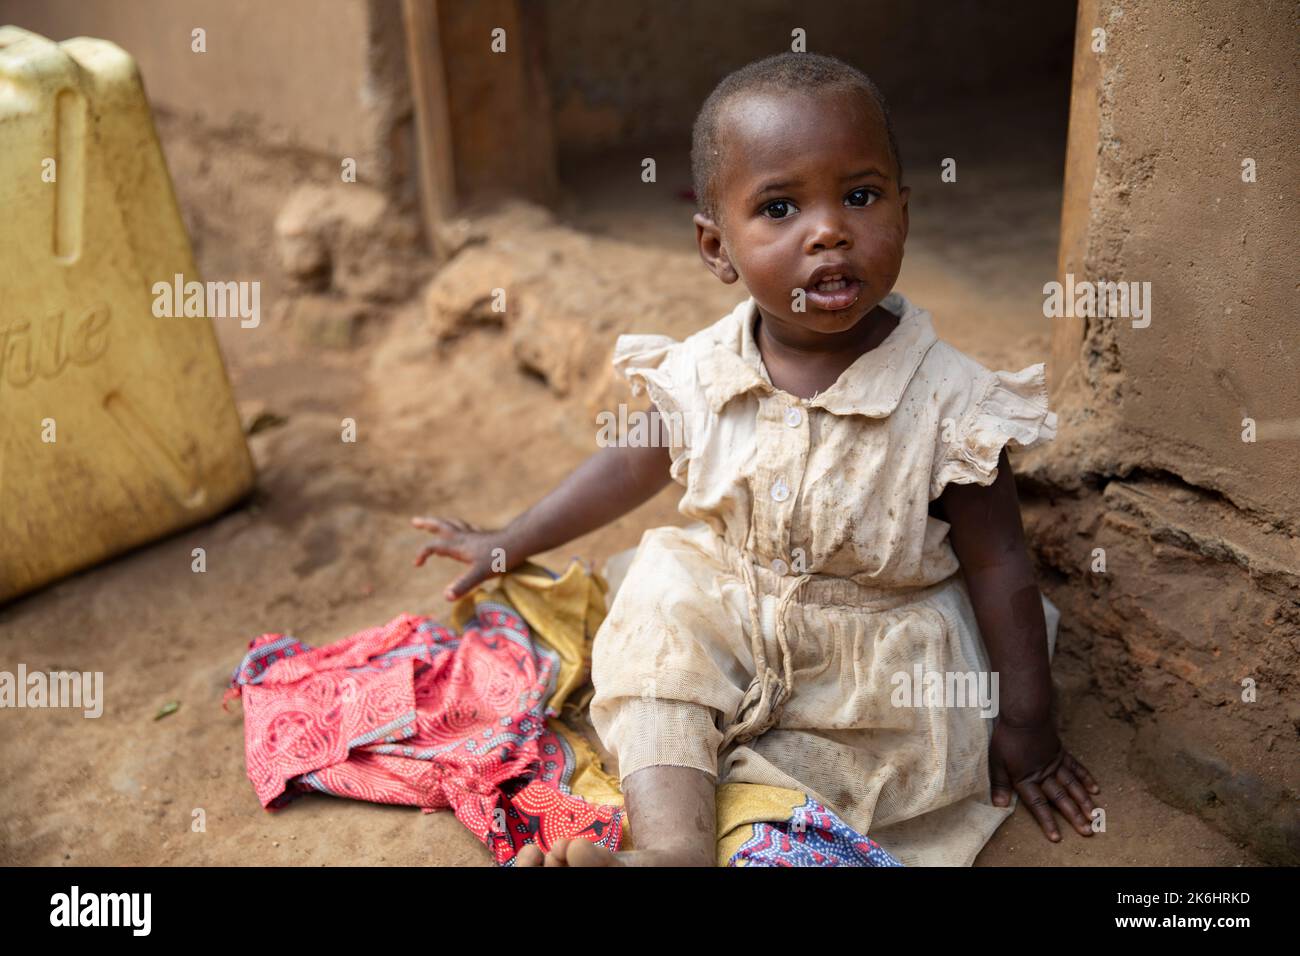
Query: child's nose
829, 231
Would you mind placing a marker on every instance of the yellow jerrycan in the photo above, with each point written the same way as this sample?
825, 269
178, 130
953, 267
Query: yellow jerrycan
117, 426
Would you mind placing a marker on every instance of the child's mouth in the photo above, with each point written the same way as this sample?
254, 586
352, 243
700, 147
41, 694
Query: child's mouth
834, 292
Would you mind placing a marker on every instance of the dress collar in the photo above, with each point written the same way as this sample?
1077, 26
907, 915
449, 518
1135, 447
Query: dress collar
873, 385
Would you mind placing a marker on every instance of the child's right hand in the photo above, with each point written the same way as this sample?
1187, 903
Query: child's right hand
486, 552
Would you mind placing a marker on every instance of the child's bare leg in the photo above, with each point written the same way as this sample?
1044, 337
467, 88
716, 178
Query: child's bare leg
674, 816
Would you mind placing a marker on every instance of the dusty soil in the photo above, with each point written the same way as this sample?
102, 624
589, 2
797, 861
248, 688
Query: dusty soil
455, 426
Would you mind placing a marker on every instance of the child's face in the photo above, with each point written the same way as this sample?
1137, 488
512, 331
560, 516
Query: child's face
808, 181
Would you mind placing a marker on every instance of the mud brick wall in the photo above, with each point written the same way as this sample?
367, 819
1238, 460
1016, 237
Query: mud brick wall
1199, 600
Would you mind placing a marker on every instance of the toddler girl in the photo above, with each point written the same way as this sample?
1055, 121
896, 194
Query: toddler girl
857, 529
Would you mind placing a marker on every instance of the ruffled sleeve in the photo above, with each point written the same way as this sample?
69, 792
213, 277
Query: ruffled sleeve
1012, 408
661, 366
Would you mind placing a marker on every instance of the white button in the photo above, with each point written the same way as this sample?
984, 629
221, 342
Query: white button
780, 490
793, 417
780, 567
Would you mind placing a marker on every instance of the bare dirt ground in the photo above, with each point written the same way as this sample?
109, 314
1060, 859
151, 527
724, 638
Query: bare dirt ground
453, 427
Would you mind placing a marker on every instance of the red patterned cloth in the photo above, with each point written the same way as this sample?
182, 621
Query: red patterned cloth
412, 713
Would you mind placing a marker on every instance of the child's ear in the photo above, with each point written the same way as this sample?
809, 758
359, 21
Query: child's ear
708, 237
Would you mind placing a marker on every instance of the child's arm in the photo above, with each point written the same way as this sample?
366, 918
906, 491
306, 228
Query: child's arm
610, 483
1025, 752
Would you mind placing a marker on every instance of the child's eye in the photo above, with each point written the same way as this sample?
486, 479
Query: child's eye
866, 197
785, 205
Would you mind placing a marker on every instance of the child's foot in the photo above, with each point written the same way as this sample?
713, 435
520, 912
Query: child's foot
584, 853
567, 853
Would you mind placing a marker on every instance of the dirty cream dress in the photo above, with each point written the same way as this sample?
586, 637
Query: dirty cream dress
761, 643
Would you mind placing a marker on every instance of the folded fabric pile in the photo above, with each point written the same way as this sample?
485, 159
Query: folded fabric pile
467, 717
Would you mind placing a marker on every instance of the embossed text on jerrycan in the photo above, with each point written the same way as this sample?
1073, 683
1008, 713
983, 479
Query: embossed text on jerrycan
116, 426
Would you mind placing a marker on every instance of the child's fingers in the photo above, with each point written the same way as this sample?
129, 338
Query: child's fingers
447, 550
427, 552
463, 584
1076, 789
1080, 771
1001, 789
434, 524
444, 526
1061, 799
1038, 805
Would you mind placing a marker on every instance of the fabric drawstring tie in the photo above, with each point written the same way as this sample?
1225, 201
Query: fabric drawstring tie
770, 689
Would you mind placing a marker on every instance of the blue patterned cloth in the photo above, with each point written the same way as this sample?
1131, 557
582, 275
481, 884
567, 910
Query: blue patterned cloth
813, 836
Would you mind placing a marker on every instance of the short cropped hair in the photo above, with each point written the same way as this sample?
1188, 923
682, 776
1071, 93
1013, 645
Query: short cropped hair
783, 72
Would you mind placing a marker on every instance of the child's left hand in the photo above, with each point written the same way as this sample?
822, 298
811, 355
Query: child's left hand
1031, 760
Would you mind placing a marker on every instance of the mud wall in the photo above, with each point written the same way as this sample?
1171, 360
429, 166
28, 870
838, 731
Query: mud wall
327, 78
1167, 527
